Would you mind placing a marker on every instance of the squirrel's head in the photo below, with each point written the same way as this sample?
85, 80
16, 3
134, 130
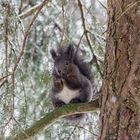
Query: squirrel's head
63, 60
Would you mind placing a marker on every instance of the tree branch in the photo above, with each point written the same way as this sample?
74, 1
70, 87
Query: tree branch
31, 10
26, 34
53, 116
87, 38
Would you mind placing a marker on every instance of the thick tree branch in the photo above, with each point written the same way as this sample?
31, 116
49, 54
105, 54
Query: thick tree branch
52, 117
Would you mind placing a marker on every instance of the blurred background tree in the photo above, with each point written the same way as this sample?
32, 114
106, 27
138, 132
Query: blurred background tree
28, 30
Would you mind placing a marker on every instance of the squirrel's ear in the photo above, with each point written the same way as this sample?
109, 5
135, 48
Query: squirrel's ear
71, 51
53, 53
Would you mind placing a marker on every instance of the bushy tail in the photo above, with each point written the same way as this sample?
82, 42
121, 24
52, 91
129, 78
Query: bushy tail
75, 117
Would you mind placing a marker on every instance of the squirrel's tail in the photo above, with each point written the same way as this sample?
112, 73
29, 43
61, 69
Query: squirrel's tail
75, 117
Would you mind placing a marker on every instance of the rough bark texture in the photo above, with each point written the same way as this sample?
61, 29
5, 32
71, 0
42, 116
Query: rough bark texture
120, 100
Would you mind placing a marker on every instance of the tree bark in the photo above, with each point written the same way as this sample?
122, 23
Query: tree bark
120, 100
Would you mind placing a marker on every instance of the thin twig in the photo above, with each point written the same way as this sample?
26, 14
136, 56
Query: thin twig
87, 38
73, 131
102, 5
6, 22
87, 131
3, 82
20, 7
5, 76
80, 39
130, 6
32, 10
26, 34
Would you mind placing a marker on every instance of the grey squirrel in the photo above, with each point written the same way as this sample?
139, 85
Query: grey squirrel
72, 79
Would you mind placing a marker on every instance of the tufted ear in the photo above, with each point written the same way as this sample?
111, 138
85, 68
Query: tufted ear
71, 51
53, 53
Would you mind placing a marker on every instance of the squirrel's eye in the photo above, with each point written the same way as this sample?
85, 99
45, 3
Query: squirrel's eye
66, 63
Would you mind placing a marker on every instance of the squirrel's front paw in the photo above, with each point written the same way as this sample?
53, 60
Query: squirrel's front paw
58, 85
59, 104
75, 100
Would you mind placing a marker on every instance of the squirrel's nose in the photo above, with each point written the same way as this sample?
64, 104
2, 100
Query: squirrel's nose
62, 73
59, 71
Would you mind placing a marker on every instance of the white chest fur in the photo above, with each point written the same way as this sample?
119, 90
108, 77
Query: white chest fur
66, 95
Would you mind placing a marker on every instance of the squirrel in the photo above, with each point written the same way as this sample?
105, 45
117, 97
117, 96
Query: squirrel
72, 79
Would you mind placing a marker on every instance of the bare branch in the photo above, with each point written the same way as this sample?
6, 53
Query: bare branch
32, 10
87, 38
5, 77
6, 22
102, 5
26, 34
20, 6
3, 82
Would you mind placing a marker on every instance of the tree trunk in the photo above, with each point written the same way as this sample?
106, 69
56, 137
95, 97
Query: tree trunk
120, 100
